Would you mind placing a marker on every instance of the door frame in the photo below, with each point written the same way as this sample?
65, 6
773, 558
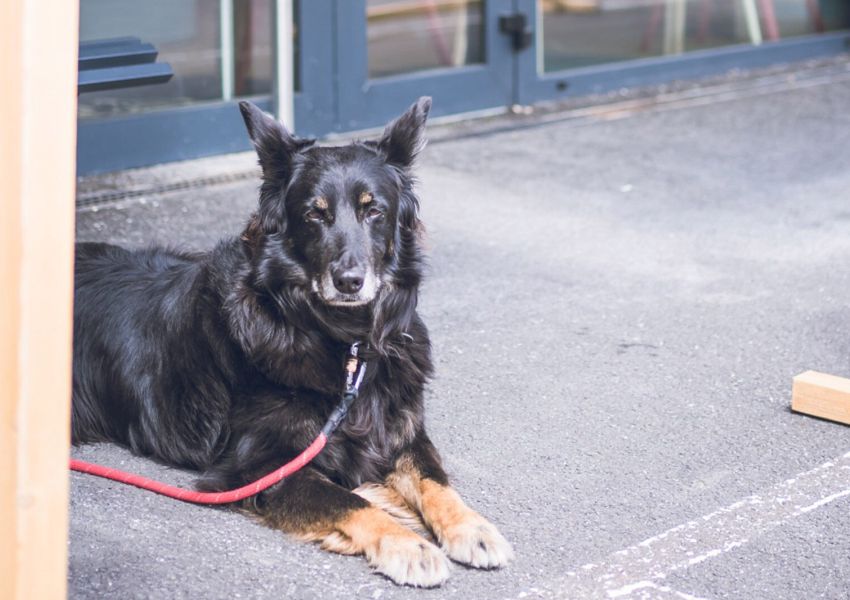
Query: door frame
365, 103
216, 127
314, 96
533, 86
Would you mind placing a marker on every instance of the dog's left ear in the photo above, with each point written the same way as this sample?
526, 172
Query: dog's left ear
275, 146
404, 138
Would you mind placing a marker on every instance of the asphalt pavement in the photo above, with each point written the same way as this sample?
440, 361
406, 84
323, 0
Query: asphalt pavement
618, 301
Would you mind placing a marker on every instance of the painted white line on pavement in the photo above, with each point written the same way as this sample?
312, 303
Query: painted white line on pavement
635, 572
652, 591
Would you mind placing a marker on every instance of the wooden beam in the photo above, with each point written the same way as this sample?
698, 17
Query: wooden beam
38, 68
822, 395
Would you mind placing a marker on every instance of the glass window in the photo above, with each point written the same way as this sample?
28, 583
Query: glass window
217, 50
253, 47
579, 33
405, 36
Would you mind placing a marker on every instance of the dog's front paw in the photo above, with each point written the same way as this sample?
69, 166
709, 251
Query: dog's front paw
476, 542
410, 560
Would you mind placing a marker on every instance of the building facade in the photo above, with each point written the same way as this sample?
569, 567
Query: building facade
342, 65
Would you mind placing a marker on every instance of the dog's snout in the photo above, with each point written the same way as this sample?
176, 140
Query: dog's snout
348, 281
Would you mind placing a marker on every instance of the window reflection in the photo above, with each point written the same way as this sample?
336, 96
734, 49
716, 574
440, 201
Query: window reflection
579, 33
405, 36
190, 36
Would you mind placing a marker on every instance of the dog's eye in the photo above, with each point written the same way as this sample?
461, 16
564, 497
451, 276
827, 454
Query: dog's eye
314, 214
374, 213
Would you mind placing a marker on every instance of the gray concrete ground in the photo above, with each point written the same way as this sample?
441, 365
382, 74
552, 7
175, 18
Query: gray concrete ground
618, 304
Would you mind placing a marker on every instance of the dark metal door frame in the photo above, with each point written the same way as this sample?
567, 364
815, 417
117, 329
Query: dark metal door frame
315, 101
365, 102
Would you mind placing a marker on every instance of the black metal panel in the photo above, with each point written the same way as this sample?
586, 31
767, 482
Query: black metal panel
115, 52
111, 78
106, 42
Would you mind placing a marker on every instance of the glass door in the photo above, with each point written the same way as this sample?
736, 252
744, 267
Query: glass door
357, 63
219, 51
580, 33
392, 51
591, 46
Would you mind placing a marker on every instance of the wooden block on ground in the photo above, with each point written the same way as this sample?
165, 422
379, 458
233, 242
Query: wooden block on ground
822, 395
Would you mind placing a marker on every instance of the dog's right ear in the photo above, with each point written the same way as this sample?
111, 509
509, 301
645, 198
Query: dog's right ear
404, 137
275, 146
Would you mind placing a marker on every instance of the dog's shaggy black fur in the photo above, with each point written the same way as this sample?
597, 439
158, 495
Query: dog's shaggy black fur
229, 362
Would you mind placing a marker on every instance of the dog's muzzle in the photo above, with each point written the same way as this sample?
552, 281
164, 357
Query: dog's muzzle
347, 288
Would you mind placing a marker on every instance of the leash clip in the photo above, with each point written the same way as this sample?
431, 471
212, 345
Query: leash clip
355, 369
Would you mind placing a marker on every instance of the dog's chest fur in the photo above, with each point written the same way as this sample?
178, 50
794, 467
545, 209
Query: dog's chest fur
363, 447
288, 411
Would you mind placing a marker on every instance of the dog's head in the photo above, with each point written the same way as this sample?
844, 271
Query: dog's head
339, 223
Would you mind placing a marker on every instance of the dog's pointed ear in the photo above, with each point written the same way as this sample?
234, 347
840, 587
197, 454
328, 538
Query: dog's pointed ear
404, 138
275, 146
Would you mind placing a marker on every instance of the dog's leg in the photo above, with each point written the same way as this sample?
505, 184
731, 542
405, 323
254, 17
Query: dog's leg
391, 502
466, 536
313, 508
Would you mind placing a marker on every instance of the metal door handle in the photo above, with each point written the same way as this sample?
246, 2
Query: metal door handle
516, 25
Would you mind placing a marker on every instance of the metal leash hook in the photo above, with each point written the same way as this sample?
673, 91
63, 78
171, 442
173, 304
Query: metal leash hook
355, 370
355, 367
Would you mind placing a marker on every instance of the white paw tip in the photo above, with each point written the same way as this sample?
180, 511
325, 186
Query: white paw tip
479, 545
412, 562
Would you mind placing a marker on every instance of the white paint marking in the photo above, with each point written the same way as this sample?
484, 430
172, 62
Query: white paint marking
628, 589
649, 589
635, 572
826, 500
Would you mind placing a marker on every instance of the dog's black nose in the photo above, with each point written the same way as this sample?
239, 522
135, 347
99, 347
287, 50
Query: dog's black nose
349, 281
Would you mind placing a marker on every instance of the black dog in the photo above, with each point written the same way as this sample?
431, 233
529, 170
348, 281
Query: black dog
229, 362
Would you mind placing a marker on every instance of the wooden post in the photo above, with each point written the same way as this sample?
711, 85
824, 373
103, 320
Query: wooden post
38, 72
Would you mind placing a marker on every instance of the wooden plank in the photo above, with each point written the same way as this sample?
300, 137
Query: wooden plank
11, 70
37, 154
822, 395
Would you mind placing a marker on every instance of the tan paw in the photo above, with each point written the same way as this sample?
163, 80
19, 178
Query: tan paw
476, 542
410, 560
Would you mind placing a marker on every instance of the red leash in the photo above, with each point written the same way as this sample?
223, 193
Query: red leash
355, 369
205, 497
